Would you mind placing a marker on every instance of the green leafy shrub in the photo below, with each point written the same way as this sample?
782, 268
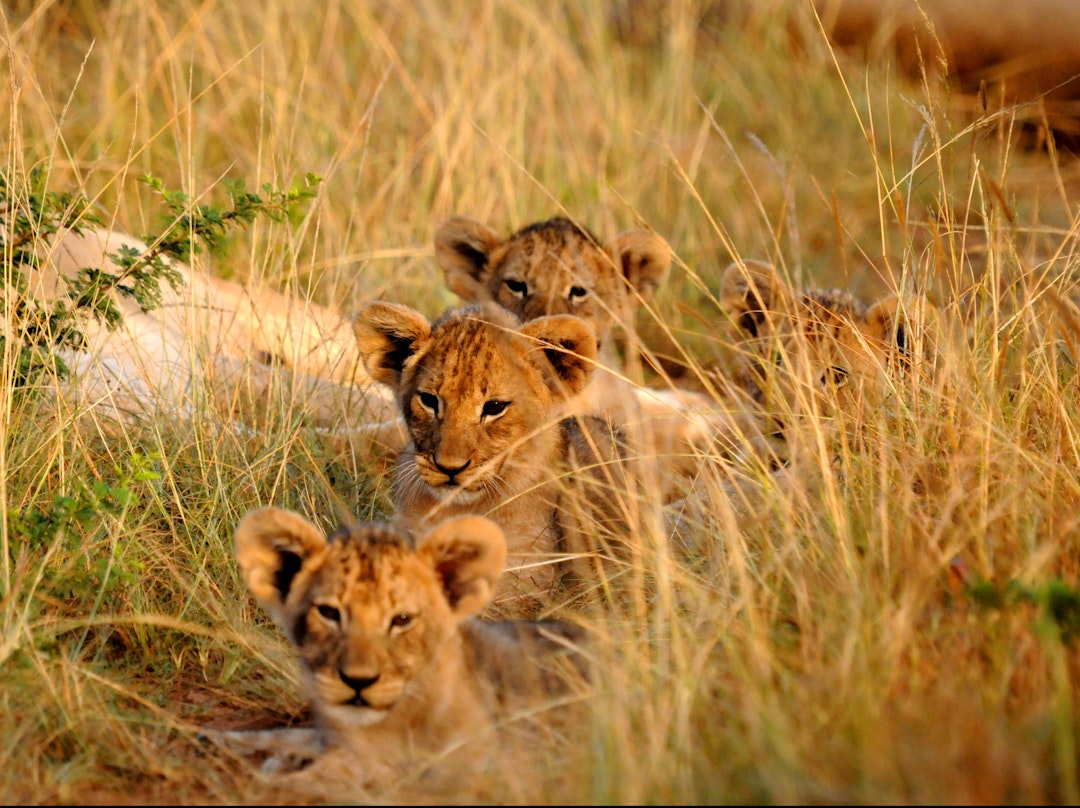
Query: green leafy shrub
32, 216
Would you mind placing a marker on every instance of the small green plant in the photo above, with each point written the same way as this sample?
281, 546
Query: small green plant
60, 535
1058, 603
30, 218
191, 227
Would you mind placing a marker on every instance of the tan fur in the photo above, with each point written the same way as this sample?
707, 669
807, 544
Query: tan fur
558, 267
397, 670
484, 399
554, 267
212, 337
817, 349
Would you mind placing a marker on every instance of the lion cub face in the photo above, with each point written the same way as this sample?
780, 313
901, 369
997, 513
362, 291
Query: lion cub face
369, 611
479, 391
824, 338
553, 267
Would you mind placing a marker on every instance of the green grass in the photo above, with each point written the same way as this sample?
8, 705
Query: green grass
847, 631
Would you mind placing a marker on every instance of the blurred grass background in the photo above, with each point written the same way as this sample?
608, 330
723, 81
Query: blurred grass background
900, 627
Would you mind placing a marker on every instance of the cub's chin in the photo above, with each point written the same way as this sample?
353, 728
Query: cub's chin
455, 493
349, 717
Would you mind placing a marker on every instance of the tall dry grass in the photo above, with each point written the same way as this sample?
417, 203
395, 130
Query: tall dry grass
844, 631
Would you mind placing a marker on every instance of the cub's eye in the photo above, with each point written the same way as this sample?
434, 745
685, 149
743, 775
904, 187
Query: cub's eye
519, 288
331, 613
429, 401
578, 293
835, 376
495, 407
403, 620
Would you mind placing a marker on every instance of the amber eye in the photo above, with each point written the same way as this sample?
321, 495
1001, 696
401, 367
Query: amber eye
331, 613
495, 407
429, 401
519, 288
578, 293
403, 620
835, 376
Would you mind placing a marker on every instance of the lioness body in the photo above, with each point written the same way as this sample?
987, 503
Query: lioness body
395, 666
209, 337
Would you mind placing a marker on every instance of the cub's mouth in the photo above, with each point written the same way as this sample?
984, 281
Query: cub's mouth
355, 714
460, 482
456, 492
462, 485
360, 701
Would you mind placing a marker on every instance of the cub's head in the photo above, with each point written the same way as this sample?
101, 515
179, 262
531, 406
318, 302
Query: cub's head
480, 393
369, 610
823, 336
553, 267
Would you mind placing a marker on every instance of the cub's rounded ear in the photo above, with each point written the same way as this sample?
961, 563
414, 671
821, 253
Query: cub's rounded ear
566, 345
468, 553
276, 550
463, 248
644, 259
907, 330
753, 283
752, 291
387, 334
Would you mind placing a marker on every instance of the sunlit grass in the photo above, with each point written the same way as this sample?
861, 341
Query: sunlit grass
822, 642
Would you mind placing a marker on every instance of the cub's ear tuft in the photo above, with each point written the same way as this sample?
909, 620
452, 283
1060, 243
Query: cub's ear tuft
907, 330
566, 348
754, 284
468, 553
644, 259
387, 334
752, 292
277, 550
463, 248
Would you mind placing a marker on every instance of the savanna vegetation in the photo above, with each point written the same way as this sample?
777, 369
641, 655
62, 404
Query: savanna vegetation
893, 618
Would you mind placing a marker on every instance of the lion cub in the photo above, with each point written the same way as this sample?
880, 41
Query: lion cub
798, 351
558, 267
397, 668
484, 399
